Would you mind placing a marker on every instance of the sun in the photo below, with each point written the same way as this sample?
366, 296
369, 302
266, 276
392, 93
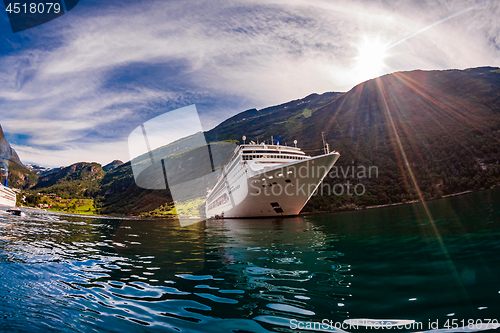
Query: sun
369, 63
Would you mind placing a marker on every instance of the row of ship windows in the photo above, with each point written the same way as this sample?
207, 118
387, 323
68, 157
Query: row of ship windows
220, 201
269, 152
276, 183
251, 157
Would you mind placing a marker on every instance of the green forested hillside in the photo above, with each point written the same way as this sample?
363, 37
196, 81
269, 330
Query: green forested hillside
79, 180
433, 132
10, 165
20, 177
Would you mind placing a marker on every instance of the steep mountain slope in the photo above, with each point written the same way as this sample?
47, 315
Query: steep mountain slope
18, 175
40, 170
277, 121
112, 165
6, 151
120, 195
430, 133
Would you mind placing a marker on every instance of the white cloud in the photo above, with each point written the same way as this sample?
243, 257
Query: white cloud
55, 158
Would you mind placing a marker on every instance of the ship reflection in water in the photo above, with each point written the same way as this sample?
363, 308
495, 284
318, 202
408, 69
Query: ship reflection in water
68, 273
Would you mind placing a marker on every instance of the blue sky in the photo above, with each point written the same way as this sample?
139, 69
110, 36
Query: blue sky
74, 88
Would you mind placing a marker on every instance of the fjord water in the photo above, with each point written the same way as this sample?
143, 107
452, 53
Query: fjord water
73, 273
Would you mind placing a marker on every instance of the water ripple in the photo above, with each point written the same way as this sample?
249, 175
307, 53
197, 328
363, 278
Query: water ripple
72, 273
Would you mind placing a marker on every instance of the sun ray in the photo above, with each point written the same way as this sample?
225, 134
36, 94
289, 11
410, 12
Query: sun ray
384, 97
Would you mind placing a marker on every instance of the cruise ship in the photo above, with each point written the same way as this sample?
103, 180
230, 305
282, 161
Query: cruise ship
7, 196
265, 180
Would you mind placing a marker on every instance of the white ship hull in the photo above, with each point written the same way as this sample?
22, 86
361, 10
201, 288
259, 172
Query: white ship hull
7, 197
281, 189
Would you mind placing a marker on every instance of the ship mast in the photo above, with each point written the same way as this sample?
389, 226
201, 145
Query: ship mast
326, 147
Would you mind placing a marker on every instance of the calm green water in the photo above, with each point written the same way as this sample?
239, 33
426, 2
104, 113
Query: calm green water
67, 273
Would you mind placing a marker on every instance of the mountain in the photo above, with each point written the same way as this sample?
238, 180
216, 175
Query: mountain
6, 151
430, 133
75, 181
426, 134
113, 165
36, 168
119, 195
40, 170
277, 121
18, 175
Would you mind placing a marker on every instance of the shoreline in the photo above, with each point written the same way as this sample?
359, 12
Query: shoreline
61, 212
398, 203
